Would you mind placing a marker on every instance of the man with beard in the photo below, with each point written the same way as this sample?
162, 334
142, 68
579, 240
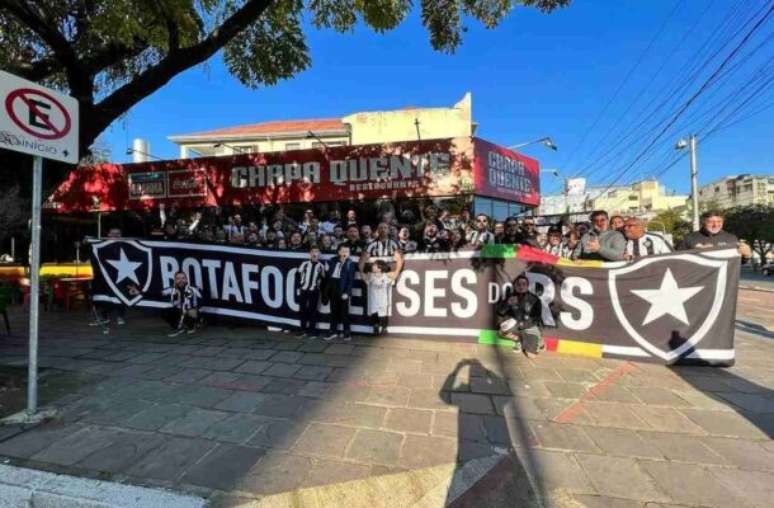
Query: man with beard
353, 240
529, 233
383, 246
520, 318
431, 242
512, 234
640, 243
601, 243
481, 235
712, 236
185, 299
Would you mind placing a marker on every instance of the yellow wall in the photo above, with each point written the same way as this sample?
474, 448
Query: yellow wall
400, 125
641, 197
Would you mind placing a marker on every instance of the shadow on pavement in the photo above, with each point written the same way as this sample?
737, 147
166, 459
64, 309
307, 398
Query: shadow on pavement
753, 329
510, 479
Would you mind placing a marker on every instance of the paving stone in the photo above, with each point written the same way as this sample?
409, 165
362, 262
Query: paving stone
313, 346
325, 440
396, 396
313, 373
34, 440
280, 406
565, 390
244, 402
426, 451
409, 420
200, 396
473, 403
496, 429
616, 393
282, 370
578, 375
194, 423
521, 407
624, 442
283, 385
188, 376
415, 381
609, 414
224, 467
683, 448
147, 358
757, 488
349, 414
253, 367
374, 446
691, 485
325, 472
563, 436
349, 392
556, 471
489, 385
125, 449
741, 452
656, 396
118, 412
208, 351
76, 447
756, 403
287, 357
277, 433
666, 420
170, 458
340, 349
725, 424
156, 416
619, 477
445, 423
277, 473
588, 501
430, 399
236, 428
317, 390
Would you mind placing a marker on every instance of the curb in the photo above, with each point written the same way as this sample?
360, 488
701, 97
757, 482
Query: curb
756, 288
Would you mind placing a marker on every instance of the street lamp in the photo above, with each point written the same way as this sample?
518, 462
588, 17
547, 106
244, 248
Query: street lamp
130, 151
690, 143
546, 142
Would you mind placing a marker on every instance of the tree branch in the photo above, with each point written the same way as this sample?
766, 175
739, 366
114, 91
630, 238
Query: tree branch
172, 64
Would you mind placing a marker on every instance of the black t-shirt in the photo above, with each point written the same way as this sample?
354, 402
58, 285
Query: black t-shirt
433, 245
702, 239
355, 248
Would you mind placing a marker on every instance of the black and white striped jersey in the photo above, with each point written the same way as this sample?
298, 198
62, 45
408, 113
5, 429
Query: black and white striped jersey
381, 248
310, 275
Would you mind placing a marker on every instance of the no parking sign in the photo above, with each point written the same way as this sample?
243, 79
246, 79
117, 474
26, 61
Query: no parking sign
37, 120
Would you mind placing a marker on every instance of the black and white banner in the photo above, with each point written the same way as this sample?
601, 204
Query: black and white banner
668, 308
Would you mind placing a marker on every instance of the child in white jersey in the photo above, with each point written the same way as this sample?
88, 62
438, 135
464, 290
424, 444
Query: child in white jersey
379, 280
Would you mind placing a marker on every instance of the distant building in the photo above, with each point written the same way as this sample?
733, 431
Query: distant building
367, 127
645, 198
741, 190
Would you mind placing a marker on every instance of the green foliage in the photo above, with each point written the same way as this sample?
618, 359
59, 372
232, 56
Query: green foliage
110, 54
754, 223
674, 224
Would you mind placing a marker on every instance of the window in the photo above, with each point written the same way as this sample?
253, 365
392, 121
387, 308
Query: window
292, 146
633, 197
245, 149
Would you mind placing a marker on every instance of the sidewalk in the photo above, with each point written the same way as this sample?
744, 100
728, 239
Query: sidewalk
245, 417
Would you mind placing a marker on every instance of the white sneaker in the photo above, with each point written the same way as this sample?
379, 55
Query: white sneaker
120, 322
177, 332
346, 338
331, 337
99, 322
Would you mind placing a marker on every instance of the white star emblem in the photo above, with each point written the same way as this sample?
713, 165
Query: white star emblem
668, 299
126, 269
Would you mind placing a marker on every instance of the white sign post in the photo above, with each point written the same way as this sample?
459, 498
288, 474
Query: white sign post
43, 123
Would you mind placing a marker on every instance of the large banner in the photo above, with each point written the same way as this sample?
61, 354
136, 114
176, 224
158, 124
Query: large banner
429, 168
667, 308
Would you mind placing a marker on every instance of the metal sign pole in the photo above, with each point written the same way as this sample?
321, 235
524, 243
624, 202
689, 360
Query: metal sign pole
32, 383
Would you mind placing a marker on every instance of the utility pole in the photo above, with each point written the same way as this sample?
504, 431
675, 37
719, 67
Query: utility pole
694, 181
691, 145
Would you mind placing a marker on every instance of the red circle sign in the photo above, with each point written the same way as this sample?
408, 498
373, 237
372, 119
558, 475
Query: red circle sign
52, 131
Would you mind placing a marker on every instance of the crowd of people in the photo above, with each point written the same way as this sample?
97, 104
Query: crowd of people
603, 237
381, 249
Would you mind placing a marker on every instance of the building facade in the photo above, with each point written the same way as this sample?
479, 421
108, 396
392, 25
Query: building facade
362, 128
737, 190
645, 198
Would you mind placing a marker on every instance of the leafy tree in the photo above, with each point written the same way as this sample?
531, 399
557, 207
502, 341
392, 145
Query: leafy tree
754, 224
673, 223
111, 54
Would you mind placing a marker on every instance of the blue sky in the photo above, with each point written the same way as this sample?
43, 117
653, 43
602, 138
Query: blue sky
532, 76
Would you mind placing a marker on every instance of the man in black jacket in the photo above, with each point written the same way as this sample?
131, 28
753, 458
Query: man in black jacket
520, 318
712, 236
